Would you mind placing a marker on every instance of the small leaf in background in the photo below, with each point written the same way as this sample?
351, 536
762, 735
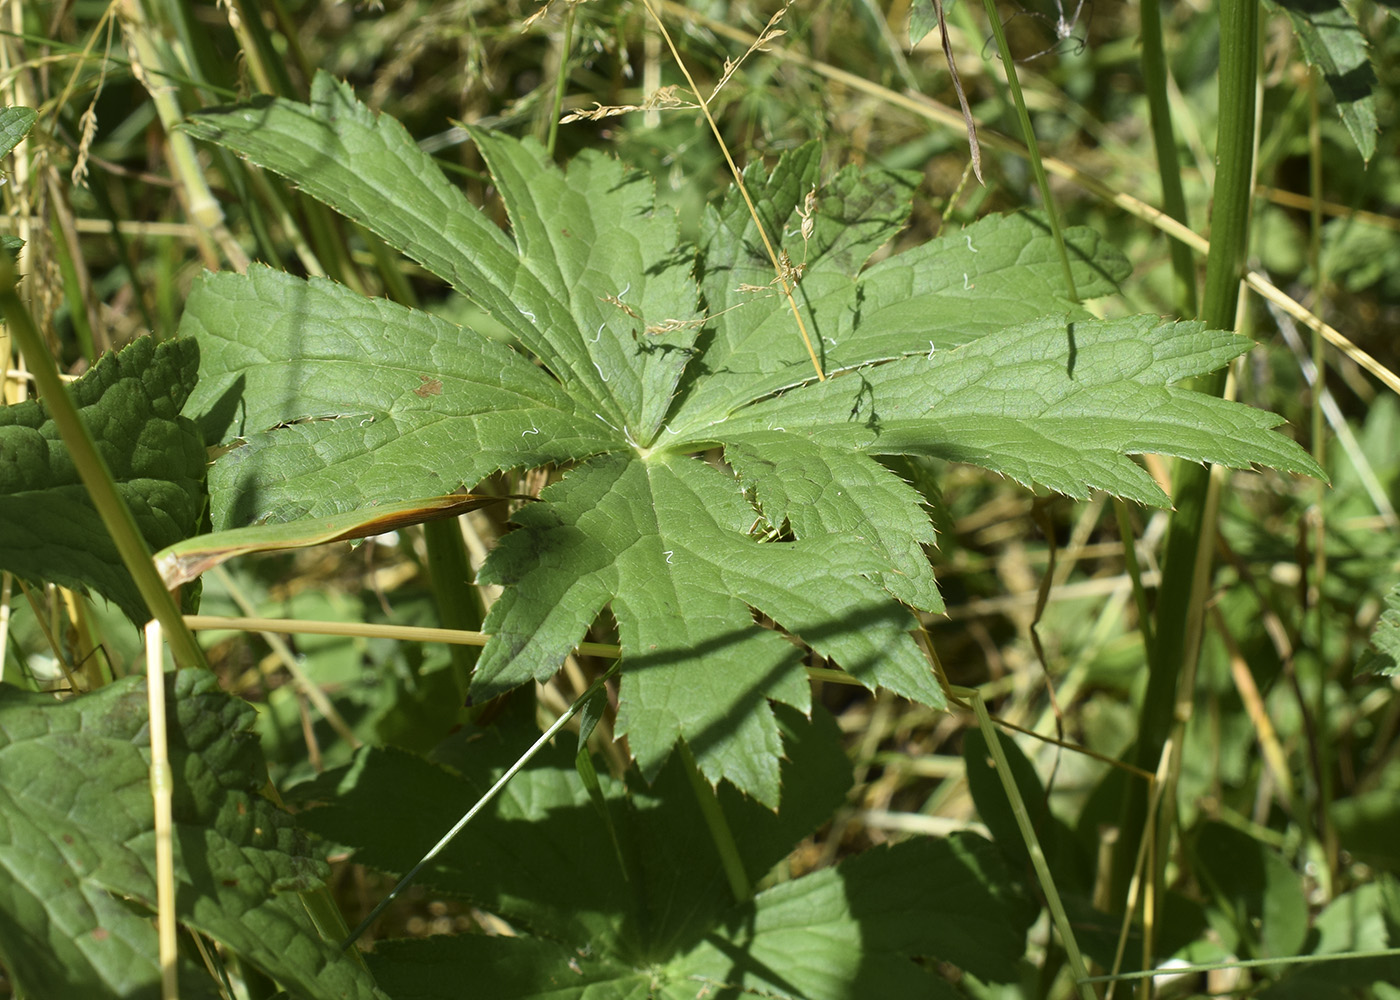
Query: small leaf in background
542, 857
77, 847
1364, 919
922, 19
15, 124
1384, 655
855, 930
1333, 43
505, 968
1362, 257
131, 400
1073, 871
1256, 893
1366, 825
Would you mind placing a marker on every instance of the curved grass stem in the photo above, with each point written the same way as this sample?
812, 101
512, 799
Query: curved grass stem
1033, 848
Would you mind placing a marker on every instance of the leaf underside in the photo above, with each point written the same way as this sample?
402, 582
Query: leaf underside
634, 358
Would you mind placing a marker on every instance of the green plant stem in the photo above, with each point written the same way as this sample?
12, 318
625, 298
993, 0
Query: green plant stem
720, 833
266, 63
96, 477
200, 203
458, 602
481, 804
1032, 146
1234, 153
1154, 77
1186, 559
1322, 740
561, 82
1037, 855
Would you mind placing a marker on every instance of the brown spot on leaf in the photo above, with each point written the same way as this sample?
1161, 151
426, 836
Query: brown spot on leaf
430, 387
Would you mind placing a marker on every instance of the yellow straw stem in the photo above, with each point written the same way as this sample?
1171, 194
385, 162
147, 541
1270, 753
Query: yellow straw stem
161, 781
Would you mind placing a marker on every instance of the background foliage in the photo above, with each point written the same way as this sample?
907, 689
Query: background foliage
1285, 785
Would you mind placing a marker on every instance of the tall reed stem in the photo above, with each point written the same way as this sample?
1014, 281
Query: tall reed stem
1181, 598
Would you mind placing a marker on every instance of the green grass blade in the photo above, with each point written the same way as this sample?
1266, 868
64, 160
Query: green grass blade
1042, 869
1154, 75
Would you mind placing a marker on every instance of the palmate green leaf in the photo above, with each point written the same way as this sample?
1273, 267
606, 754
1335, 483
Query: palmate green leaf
664, 540
828, 491
77, 847
130, 400
333, 402
666, 926
933, 351
998, 272
1051, 403
601, 239
368, 168
616, 302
